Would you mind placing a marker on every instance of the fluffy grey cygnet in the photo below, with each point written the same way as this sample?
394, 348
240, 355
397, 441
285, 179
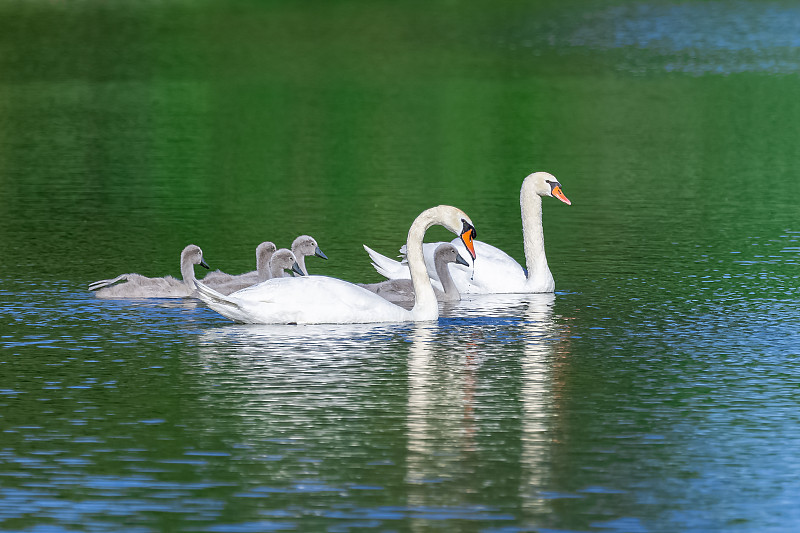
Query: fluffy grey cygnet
284, 260
401, 290
138, 286
228, 283
303, 246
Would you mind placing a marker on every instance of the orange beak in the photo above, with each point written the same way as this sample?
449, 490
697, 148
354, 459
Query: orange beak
560, 195
467, 237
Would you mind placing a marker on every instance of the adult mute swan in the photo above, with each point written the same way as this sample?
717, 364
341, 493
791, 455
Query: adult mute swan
138, 286
497, 272
303, 246
402, 290
321, 299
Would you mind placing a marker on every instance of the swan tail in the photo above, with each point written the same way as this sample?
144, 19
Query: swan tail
386, 267
103, 283
218, 302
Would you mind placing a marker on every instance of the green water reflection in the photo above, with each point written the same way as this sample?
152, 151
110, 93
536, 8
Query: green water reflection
655, 392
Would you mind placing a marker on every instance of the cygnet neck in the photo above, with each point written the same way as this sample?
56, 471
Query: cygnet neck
187, 269
262, 264
443, 272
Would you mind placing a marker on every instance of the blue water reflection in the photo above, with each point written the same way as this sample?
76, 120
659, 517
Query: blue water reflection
656, 391
697, 38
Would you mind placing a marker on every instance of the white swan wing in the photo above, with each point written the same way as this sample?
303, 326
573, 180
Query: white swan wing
494, 271
303, 300
386, 266
393, 269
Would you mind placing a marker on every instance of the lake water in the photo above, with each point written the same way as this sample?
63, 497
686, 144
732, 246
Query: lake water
656, 391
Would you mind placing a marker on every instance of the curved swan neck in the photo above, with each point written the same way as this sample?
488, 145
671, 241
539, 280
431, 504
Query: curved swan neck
425, 306
187, 271
532, 233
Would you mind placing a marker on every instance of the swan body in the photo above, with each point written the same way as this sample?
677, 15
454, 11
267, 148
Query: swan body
402, 290
496, 271
321, 299
138, 286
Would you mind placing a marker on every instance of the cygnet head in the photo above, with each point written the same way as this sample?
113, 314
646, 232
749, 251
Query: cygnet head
449, 254
306, 245
282, 260
544, 184
264, 252
193, 255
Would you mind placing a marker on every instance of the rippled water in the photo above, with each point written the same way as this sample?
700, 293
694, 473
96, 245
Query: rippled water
655, 391
690, 37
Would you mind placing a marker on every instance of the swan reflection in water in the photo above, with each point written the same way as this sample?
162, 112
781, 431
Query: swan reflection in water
447, 387
482, 374
284, 339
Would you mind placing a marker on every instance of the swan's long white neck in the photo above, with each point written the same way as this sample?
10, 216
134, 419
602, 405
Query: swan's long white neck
187, 270
426, 306
533, 240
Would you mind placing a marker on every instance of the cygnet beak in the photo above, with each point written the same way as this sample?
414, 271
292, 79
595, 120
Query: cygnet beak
461, 261
297, 270
204, 264
319, 253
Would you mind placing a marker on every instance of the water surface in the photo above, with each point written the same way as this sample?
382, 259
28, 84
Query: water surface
655, 391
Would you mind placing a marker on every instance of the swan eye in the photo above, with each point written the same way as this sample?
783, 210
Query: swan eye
467, 236
468, 230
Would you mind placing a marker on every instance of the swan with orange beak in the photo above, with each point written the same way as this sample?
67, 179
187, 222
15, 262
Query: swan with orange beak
496, 272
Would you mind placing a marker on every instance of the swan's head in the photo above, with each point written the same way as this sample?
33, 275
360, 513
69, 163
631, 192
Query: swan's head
306, 245
458, 222
449, 254
282, 260
544, 184
194, 255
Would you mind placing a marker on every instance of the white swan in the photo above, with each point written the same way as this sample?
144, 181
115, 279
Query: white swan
138, 286
303, 246
496, 271
402, 290
264, 253
321, 299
